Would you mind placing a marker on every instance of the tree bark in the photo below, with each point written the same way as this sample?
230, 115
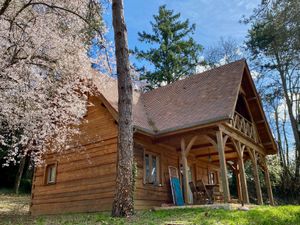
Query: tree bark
286, 140
123, 201
279, 141
19, 175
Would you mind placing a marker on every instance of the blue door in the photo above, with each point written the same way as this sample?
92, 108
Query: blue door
177, 191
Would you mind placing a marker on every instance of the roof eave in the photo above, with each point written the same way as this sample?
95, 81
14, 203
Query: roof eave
184, 127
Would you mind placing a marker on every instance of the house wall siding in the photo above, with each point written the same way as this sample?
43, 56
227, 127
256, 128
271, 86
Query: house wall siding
147, 195
85, 180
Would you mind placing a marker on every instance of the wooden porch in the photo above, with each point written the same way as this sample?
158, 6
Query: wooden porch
221, 146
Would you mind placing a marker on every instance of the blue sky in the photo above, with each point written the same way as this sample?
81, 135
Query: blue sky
213, 18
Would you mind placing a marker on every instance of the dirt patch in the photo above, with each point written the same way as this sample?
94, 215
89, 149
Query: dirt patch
11, 205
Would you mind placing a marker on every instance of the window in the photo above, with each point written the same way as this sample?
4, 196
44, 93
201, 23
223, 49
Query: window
51, 173
151, 169
211, 177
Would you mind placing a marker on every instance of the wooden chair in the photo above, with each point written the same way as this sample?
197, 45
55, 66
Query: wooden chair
194, 192
202, 194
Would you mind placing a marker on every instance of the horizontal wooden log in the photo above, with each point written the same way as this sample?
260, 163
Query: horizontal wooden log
94, 205
72, 199
87, 184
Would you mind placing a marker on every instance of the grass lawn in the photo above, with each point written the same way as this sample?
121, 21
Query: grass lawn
289, 215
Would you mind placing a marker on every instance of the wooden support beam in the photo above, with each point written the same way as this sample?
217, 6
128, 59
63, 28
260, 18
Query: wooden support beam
206, 129
223, 167
227, 159
185, 171
184, 154
268, 182
212, 140
252, 99
213, 153
240, 150
188, 148
244, 140
260, 121
238, 182
207, 145
267, 143
253, 158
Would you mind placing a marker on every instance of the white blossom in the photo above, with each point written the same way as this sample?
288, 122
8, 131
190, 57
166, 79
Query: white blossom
44, 73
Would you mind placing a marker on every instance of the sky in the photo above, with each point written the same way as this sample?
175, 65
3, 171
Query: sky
213, 18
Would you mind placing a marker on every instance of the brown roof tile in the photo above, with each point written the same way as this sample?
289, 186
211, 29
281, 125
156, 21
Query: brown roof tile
199, 99
202, 98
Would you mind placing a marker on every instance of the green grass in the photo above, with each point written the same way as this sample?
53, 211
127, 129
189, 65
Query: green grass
14, 210
264, 215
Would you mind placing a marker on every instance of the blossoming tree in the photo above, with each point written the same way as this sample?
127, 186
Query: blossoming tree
44, 73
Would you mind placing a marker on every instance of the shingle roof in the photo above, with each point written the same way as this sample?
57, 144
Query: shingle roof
108, 87
199, 99
202, 98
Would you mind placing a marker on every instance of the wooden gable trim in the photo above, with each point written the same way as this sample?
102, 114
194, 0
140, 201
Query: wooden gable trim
256, 98
237, 92
109, 107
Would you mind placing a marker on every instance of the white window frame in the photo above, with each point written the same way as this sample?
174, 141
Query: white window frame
158, 175
212, 179
48, 169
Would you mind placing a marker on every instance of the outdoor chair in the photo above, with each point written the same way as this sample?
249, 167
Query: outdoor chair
195, 193
202, 194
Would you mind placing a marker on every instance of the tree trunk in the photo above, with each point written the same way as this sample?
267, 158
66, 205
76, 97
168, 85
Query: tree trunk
286, 140
279, 141
123, 201
19, 175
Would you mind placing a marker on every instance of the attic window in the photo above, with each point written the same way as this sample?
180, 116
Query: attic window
50, 175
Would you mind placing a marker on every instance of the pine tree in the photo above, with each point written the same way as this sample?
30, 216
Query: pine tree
173, 53
123, 201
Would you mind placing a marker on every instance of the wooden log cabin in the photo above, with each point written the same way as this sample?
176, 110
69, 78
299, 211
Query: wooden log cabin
204, 126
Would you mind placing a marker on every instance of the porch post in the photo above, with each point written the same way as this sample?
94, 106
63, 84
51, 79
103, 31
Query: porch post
238, 182
185, 171
268, 183
184, 154
243, 180
220, 148
253, 157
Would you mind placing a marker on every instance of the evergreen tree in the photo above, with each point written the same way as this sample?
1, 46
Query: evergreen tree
173, 53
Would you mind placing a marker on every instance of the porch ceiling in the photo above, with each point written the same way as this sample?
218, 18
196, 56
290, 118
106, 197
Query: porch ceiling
201, 149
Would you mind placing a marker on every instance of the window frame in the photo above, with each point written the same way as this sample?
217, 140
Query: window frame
158, 169
212, 177
46, 173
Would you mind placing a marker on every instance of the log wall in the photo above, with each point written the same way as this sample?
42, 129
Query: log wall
85, 178
148, 195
